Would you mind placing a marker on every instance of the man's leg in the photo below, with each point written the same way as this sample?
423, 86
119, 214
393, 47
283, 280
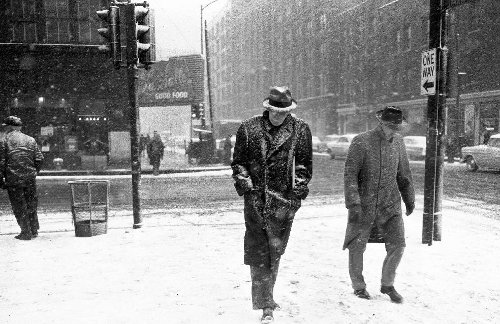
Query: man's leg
31, 198
263, 280
394, 246
19, 208
356, 266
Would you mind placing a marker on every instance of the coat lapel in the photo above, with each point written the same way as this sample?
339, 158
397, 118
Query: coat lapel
283, 134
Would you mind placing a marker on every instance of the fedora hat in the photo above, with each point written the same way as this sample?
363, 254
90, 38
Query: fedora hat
12, 121
391, 116
279, 99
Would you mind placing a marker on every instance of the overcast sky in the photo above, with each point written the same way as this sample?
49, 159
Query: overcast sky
178, 29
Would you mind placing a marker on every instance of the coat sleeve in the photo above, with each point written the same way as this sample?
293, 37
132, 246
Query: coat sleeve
303, 163
3, 157
404, 178
241, 176
352, 169
38, 160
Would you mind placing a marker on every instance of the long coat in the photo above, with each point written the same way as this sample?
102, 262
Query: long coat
155, 150
376, 175
272, 173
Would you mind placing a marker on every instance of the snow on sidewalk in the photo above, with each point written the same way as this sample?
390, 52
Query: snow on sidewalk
186, 267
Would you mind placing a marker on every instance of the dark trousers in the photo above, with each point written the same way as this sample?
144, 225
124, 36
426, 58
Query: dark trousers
263, 280
24, 202
394, 247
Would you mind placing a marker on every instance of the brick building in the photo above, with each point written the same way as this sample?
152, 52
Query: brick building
343, 61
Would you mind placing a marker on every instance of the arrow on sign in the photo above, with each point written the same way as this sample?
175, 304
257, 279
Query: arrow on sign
428, 85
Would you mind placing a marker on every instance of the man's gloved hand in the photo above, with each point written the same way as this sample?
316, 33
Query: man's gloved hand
409, 209
354, 214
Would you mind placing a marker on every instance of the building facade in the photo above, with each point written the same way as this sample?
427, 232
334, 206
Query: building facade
54, 77
344, 61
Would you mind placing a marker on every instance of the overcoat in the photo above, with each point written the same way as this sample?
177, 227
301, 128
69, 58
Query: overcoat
155, 150
20, 159
376, 175
272, 173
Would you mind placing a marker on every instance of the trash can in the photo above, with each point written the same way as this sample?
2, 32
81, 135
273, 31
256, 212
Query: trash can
89, 206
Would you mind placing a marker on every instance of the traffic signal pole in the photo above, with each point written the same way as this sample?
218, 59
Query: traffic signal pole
132, 69
139, 49
436, 121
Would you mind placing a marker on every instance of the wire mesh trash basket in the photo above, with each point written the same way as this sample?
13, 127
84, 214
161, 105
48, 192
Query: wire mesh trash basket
89, 206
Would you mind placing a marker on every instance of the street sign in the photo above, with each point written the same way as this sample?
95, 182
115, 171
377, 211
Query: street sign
428, 75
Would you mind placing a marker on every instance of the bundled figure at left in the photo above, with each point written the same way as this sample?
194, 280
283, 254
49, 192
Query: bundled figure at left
20, 162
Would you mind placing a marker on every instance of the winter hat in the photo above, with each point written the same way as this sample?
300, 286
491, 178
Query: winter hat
280, 99
391, 116
12, 121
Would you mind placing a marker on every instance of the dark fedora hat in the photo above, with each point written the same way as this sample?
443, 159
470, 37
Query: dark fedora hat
391, 116
280, 99
12, 121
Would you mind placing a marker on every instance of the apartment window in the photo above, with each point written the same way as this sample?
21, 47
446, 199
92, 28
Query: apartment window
323, 21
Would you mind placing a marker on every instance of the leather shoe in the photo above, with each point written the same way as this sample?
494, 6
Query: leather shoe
362, 293
34, 234
393, 294
24, 236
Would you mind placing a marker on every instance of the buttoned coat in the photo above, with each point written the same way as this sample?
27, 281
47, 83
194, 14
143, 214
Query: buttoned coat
376, 175
272, 173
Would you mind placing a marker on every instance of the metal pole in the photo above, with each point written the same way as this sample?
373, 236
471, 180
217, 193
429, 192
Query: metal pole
201, 28
434, 158
133, 112
209, 88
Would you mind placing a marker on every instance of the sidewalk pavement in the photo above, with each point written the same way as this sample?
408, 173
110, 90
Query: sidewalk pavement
173, 162
186, 266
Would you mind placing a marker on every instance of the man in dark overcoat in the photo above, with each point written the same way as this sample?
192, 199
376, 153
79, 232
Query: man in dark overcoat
376, 175
20, 162
272, 166
155, 150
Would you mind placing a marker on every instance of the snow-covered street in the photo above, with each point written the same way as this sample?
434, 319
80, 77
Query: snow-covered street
186, 266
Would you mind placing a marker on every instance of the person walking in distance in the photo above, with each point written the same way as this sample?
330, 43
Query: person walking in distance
20, 162
155, 152
376, 175
272, 166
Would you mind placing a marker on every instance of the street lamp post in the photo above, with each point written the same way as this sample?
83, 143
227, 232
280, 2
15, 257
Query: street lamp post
202, 7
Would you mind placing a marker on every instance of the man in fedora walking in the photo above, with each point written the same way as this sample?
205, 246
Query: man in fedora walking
272, 166
376, 175
20, 162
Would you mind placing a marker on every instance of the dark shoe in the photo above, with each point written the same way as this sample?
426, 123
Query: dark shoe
267, 316
395, 296
24, 236
362, 293
34, 233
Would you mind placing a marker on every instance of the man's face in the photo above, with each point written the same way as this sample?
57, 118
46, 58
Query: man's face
390, 129
277, 117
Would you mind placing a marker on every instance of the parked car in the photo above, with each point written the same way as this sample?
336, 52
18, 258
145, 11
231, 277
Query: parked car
415, 147
484, 156
318, 145
339, 147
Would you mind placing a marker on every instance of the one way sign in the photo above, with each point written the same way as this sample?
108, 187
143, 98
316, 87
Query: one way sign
428, 76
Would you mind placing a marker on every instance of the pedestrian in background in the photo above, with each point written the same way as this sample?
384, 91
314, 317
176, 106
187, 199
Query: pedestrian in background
155, 152
272, 166
376, 172
20, 162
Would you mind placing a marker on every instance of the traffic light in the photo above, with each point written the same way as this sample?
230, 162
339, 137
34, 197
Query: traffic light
146, 45
201, 110
195, 111
111, 33
139, 46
